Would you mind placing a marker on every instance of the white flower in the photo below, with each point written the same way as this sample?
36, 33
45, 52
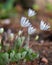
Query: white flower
1, 30
31, 30
31, 13
24, 22
44, 26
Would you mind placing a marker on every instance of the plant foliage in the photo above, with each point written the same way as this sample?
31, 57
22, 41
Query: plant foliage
17, 53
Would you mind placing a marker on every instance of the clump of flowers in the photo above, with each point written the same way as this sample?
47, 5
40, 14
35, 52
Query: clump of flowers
31, 30
20, 52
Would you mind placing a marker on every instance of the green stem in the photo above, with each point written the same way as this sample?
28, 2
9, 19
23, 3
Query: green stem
28, 39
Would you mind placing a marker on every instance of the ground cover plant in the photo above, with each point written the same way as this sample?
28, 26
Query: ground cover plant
17, 52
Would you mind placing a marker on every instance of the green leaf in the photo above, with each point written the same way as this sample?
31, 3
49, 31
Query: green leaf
4, 58
18, 56
24, 54
30, 51
12, 54
18, 42
34, 56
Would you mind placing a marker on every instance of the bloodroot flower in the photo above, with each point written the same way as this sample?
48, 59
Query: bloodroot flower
24, 22
44, 26
31, 13
31, 30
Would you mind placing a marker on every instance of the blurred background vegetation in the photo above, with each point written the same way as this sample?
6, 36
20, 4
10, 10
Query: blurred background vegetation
9, 8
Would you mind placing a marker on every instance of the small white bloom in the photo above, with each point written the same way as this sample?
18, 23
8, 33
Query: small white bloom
20, 32
31, 30
37, 37
1, 30
24, 22
31, 13
44, 26
11, 36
